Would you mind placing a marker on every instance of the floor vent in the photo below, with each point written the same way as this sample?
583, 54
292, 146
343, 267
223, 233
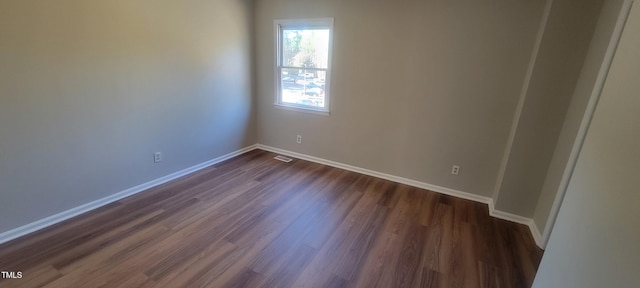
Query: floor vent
283, 158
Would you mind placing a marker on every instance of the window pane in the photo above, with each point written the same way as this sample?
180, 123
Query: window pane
303, 87
305, 48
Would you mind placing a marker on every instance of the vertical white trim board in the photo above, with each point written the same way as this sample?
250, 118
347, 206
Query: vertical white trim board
522, 99
418, 184
586, 119
57, 218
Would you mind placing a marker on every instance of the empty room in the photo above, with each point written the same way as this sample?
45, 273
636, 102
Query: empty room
319, 143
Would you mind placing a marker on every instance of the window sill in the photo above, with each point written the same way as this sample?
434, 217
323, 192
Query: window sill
301, 109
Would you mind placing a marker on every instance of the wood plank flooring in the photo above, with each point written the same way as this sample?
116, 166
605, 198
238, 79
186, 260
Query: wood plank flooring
253, 221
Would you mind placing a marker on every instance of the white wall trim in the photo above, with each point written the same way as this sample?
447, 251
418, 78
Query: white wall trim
586, 118
523, 96
57, 218
435, 188
533, 228
508, 216
54, 219
535, 232
410, 182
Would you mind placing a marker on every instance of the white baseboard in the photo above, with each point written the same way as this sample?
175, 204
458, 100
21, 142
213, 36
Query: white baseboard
537, 236
508, 216
51, 220
410, 182
435, 188
518, 219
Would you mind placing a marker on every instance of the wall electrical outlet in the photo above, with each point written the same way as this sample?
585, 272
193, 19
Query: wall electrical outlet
455, 170
157, 157
299, 139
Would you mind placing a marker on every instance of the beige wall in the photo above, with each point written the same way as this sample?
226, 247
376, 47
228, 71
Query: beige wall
594, 242
560, 162
90, 89
560, 57
417, 86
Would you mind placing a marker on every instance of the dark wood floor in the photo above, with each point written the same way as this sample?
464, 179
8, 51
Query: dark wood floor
253, 221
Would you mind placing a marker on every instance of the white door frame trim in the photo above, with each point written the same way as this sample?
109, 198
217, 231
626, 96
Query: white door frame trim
586, 119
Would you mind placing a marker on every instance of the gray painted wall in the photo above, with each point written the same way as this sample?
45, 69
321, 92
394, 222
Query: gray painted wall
574, 117
90, 89
562, 51
417, 86
594, 242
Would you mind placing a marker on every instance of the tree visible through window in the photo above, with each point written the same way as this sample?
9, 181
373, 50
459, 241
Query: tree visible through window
303, 60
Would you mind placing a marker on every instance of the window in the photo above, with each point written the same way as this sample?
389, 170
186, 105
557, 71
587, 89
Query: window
303, 63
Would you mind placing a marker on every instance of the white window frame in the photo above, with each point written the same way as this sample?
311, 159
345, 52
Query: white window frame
317, 23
